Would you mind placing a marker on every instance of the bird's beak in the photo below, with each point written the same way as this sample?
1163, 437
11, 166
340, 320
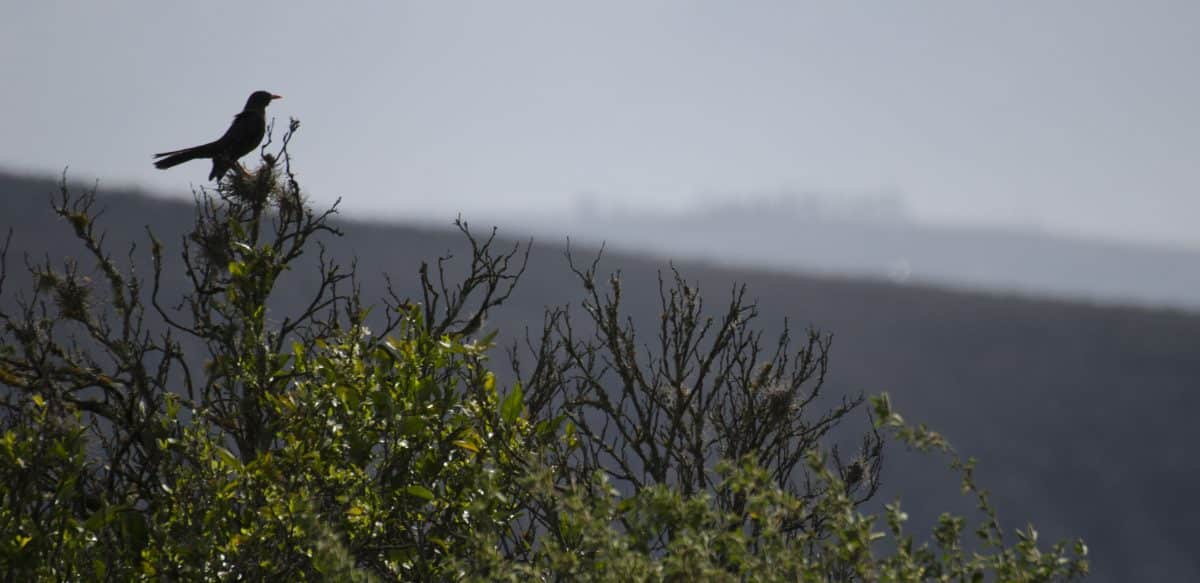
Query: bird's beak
276, 97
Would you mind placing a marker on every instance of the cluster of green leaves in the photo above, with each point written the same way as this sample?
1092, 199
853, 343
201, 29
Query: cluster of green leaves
386, 462
391, 450
43, 534
345, 455
610, 536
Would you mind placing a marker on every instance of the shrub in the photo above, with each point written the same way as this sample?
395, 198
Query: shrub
210, 438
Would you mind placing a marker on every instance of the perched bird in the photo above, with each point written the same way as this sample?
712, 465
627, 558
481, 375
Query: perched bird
240, 139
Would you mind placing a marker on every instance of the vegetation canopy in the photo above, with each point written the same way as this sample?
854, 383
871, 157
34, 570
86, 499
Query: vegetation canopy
212, 437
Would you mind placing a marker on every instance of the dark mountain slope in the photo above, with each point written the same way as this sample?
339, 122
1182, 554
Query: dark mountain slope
1081, 415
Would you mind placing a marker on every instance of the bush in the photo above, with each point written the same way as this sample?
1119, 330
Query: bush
203, 440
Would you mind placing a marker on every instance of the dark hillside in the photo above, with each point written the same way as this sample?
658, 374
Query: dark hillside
1080, 415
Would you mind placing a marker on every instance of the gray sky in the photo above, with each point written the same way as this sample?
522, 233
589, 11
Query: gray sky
1077, 117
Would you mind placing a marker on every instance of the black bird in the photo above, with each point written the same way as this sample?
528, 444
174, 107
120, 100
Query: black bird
240, 139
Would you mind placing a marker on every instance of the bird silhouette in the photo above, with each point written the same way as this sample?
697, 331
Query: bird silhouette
243, 135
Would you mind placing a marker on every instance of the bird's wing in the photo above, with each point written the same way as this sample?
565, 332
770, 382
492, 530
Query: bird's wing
235, 127
243, 134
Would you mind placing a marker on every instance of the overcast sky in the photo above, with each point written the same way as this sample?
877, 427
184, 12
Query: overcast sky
1077, 117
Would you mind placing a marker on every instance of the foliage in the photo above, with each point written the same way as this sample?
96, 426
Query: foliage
212, 438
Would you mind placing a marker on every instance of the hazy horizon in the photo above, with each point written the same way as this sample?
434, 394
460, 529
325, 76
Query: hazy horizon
1076, 122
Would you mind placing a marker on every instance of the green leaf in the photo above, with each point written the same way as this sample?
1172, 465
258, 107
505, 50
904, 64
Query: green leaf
227, 458
572, 441
411, 425
99, 519
466, 445
510, 409
547, 429
420, 492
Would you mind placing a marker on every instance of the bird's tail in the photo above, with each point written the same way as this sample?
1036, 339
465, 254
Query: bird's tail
177, 157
